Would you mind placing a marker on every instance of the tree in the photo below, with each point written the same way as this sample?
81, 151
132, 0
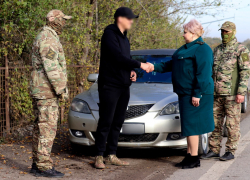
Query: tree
159, 26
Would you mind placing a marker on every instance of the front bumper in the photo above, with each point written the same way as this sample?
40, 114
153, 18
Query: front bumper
153, 124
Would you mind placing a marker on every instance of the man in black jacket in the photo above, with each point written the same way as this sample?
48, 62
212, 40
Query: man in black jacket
115, 76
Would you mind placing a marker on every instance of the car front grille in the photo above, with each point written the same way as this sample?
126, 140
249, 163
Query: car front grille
138, 138
137, 110
148, 137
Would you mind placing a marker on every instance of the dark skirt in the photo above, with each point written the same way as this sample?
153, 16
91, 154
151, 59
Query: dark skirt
196, 120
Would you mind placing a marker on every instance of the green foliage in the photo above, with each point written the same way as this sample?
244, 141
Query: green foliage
213, 42
2, 140
159, 26
21, 108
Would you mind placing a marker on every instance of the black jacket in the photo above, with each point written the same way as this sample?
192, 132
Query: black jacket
116, 63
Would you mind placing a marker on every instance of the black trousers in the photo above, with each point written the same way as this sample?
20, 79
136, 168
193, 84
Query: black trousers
112, 109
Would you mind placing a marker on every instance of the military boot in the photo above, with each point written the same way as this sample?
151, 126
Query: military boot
34, 168
99, 162
209, 155
113, 160
227, 156
50, 173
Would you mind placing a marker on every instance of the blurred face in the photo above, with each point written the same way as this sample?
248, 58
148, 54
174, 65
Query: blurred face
57, 24
125, 22
188, 36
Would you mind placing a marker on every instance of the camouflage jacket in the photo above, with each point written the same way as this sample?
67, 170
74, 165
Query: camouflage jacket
231, 69
49, 76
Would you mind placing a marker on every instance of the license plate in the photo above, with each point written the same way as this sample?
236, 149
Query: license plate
133, 128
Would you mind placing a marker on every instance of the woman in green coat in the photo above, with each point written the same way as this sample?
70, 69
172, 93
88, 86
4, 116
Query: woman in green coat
191, 68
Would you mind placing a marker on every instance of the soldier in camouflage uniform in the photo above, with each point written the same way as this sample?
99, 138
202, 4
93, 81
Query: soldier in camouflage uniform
231, 73
48, 87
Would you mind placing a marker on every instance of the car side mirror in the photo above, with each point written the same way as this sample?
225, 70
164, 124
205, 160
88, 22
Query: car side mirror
92, 77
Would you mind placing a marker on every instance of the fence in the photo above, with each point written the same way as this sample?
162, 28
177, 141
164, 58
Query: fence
10, 116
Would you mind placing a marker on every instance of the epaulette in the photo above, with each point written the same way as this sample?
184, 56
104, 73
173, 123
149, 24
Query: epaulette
199, 42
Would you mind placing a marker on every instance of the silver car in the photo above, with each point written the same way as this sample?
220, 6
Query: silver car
152, 117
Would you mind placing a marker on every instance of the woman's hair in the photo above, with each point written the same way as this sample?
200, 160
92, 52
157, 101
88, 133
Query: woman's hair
194, 27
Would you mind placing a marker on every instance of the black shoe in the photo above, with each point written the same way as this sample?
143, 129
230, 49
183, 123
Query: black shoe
210, 154
183, 161
227, 156
193, 161
34, 168
50, 173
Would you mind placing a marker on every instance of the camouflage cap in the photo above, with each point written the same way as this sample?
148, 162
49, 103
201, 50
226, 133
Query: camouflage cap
228, 26
57, 13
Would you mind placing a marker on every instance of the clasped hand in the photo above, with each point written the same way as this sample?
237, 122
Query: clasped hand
64, 96
148, 67
195, 101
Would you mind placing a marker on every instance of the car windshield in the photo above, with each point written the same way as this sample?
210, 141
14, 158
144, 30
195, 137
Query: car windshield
153, 77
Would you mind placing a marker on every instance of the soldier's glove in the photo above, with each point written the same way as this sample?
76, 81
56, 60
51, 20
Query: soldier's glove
64, 96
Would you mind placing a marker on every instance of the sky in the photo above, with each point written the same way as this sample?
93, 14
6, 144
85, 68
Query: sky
239, 10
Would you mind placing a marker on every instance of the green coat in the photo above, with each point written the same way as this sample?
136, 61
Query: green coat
191, 68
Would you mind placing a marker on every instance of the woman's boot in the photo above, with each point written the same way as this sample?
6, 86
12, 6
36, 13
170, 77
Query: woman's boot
193, 161
183, 161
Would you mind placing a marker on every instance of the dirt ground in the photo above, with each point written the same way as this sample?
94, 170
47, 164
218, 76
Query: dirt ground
146, 164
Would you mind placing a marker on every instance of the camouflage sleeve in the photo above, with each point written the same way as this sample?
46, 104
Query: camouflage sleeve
49, 55
62, 62
244, 70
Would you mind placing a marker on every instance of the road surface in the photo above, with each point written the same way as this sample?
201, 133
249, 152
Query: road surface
146, 164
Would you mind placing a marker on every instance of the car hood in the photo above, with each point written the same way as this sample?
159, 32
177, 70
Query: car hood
140, 93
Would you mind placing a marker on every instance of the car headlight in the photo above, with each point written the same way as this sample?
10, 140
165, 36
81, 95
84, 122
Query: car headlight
171, 108
80, 106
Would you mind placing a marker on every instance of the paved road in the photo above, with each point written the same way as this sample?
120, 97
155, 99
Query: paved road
215, 169
146, 164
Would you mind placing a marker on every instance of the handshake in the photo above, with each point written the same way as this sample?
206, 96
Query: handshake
148, 67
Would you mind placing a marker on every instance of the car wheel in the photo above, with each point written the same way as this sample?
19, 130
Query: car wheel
203, 144
244, 105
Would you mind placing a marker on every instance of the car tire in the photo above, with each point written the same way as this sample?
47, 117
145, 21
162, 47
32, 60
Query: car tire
244, 104
203, 144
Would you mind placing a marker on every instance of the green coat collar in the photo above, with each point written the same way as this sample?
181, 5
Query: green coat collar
188, 45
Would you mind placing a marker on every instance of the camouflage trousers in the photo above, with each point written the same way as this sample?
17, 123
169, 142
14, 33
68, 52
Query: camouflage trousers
44, 132
225, 106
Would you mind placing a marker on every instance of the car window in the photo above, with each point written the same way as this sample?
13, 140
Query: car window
153, 77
